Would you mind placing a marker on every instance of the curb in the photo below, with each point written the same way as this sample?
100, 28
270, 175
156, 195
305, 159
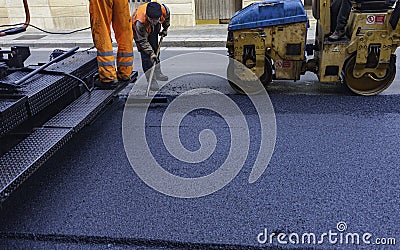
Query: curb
38, 45
185, 43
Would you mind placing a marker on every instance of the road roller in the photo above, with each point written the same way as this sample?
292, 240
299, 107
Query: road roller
270, 39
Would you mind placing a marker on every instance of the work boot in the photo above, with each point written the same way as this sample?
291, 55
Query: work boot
161, 77
105, 85
127, 79
337, 35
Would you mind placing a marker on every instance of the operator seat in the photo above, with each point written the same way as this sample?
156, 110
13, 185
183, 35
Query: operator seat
373, 6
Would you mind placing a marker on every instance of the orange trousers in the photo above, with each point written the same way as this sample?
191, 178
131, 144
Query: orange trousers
103, 13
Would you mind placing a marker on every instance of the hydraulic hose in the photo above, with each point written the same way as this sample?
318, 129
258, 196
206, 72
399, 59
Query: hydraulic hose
16, 30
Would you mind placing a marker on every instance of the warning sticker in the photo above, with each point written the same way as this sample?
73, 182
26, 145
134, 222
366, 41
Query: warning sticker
380, 19
376, 19
283, 64
278, 64
286, 64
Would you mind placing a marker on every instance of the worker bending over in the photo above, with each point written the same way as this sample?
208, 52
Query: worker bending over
147, 22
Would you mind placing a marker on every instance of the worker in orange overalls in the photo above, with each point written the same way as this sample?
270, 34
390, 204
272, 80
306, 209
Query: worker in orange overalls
147, 22
102, 15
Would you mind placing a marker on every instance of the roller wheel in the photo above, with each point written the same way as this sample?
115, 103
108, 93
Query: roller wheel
265, 79
368, 84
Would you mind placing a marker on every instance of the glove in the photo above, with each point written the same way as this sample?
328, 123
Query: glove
154, 58
164, 32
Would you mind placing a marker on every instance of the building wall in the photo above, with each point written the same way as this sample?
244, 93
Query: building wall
182, 12
47, 14
247, 2
74, 14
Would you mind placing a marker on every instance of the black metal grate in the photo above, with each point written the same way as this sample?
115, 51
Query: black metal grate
38, 94
81, 111
21, 161
74, 64
12, 113
43, 90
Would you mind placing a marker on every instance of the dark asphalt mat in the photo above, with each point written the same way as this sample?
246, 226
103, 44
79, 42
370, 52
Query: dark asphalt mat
336, 160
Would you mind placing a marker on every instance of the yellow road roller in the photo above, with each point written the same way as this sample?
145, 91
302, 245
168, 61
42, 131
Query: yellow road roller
270, 39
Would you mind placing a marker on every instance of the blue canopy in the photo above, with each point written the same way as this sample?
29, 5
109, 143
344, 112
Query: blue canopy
268, 13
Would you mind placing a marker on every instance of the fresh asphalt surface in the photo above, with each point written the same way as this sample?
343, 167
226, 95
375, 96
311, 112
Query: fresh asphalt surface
335, 160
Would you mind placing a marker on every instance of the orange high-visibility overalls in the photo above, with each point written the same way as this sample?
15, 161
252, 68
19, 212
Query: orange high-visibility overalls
103, 13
